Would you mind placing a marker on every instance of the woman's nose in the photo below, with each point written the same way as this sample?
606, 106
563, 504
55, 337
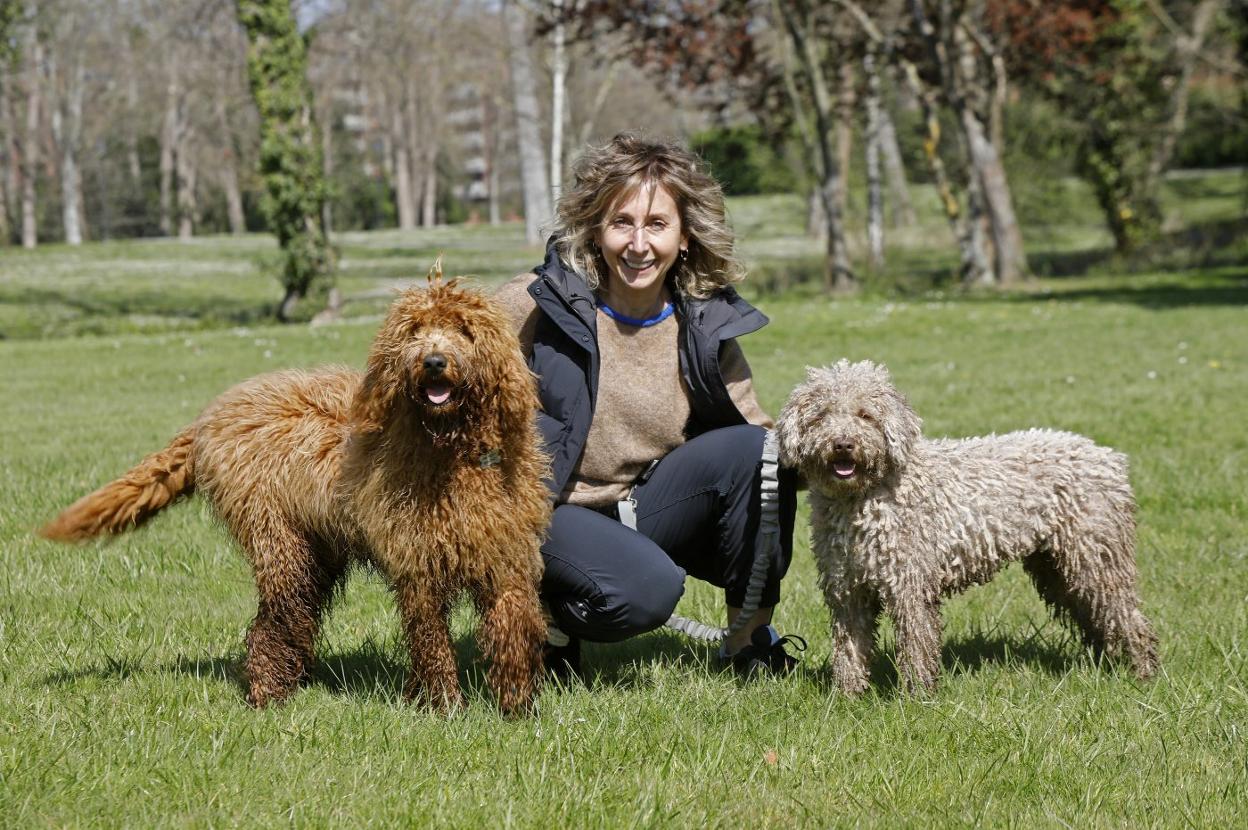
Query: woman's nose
637, 240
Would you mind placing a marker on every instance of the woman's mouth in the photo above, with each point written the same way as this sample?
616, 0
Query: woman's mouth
639, 265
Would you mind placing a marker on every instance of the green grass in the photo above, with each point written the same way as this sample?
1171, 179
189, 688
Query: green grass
120, 697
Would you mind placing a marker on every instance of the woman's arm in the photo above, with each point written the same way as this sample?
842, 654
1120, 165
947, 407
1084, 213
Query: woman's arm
737, 377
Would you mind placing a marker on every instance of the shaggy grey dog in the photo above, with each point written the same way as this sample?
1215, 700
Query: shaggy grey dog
898, 522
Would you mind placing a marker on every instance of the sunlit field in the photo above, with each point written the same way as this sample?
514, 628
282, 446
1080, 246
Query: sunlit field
121, 701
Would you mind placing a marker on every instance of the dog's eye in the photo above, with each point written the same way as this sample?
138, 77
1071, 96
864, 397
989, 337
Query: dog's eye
866, 416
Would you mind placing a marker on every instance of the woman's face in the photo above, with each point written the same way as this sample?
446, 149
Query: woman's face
640, 238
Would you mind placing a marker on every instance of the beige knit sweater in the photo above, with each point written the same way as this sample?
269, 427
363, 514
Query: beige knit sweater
642, 405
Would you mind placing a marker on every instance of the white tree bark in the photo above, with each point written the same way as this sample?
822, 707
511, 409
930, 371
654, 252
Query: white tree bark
67, 132
839, 275
875, 194
558, 79
30, 142
228, 173
168, 143
533, 178
429, 193
404, 201
187, 174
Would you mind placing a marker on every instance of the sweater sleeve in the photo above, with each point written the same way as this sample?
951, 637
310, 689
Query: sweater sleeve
737, 377
520, 308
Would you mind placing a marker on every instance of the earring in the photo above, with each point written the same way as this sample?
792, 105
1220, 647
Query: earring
684, 254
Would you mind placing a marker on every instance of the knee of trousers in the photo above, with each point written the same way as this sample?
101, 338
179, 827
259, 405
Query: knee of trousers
630, 606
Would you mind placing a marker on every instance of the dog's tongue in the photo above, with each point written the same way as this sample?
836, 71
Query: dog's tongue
844, 469
438, 394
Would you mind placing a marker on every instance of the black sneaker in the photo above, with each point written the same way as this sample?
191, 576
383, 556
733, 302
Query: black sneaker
764, 655
562, 663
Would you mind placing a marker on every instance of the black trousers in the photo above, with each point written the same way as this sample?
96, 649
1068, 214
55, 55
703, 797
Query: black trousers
697, 515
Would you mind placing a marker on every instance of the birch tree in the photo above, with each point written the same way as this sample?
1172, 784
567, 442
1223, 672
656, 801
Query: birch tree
533, 177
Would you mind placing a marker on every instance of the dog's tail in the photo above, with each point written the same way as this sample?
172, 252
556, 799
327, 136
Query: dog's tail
131, 500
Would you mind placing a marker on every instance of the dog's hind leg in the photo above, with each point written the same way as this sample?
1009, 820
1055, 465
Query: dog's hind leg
433, 680
511, 633
1094, 585
295, 588
916, 618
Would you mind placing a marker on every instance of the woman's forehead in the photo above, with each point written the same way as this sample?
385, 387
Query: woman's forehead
647, 194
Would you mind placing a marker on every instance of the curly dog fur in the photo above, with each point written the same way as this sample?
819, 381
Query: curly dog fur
428, 466
898, 522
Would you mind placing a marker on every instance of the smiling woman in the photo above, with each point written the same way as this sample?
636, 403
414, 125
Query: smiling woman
648, 407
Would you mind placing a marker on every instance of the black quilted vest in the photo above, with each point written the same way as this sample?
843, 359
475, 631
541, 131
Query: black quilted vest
565, 359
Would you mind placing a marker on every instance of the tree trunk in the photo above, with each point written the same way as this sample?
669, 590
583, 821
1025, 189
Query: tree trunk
290, 154
132, 117
490, 130
901, 208
1187, 48
533, 179
558, 83
30, 143
839, 276
1010, 261
188, 204
875, 196
229, 174
12, 176
168, 152
973, 260
429, 201
846, 100
1007, 238
404, 201
66, 131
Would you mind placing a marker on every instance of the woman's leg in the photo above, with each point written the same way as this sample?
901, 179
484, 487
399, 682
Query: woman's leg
604, 582
702, 506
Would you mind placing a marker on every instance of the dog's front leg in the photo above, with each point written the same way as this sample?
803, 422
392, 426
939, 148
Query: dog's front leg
511, 635
916, 617
853, 613
433, 680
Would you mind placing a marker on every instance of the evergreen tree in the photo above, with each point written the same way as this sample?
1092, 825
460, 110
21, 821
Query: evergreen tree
290, 152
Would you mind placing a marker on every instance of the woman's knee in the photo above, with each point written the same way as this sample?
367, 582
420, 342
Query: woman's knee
635, 602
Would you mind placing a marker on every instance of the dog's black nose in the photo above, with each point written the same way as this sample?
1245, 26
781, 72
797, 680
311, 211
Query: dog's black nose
435, 364
843, 445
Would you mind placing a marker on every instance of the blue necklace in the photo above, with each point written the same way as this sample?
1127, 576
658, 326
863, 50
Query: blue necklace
667, 311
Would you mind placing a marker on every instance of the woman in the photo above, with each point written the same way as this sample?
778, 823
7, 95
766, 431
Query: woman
649, 413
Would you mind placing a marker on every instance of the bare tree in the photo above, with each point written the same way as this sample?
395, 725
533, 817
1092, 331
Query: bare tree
534, 181
33, 75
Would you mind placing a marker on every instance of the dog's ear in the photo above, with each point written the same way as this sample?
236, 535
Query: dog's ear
378, 391
505, 385
902, 428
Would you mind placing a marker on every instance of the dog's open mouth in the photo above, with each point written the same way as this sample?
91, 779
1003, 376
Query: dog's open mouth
843, 467
436, 394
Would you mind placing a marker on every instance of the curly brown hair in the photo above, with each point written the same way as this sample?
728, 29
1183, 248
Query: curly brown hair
606, 175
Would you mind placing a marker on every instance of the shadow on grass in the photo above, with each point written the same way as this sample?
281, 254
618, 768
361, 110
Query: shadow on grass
1199, 245
971, 654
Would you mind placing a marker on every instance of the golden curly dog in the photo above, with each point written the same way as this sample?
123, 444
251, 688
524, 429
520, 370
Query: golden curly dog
428, 466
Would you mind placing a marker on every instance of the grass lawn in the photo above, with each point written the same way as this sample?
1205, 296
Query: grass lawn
120, 696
